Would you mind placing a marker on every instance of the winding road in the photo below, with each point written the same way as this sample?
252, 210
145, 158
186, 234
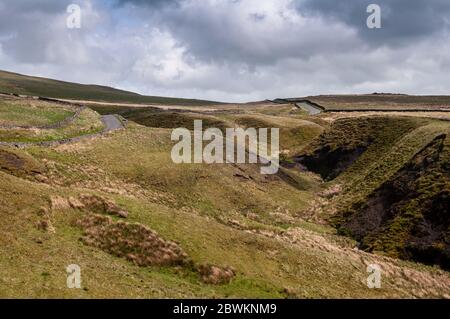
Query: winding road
111, 123
313, 110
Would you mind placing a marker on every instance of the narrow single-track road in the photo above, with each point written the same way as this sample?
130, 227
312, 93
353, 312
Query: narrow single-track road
310, 108
111, 123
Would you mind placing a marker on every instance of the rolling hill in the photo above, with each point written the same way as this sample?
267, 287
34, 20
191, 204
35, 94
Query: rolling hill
352, 191
377, 102
37, 86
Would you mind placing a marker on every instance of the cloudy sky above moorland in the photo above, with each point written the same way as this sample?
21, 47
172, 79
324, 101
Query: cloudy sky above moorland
232, 50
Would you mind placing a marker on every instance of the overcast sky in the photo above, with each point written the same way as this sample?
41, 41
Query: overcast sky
232, 50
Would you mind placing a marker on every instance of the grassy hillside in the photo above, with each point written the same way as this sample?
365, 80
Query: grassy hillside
392, 174
25, 120
31, 113
36, 86
141, 226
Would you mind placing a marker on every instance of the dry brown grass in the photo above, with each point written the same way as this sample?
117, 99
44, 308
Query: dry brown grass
59, 203
100, 204
136, 242
396, 274
215, 275
90, 203
333, 116
45, 223
382, 102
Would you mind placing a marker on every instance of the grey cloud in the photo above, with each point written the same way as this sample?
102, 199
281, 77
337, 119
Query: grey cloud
28, 26
36, 32
403, 21
226, 34
30, 6
149, 3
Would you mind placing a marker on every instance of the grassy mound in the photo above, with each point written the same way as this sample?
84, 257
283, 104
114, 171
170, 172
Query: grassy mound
135, 242
88, 122
295, 133
168, 119
20, 112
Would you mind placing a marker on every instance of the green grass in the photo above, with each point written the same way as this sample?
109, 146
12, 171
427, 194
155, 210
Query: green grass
362, 181
390, 142
88, 122
36, 261
171, 119
31, 113
393, 193
426, 187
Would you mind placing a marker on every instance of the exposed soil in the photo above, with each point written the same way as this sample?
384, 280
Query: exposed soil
330, 163
19, 164
409, 215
